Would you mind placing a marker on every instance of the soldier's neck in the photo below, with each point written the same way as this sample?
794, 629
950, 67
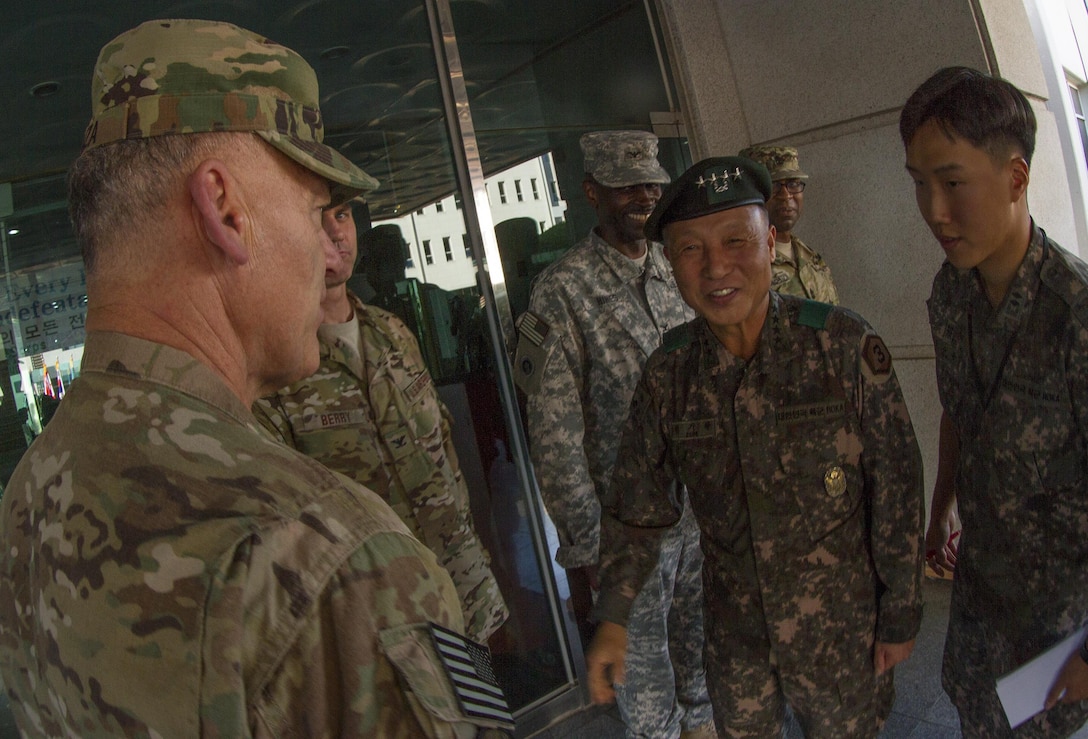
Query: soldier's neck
336, 306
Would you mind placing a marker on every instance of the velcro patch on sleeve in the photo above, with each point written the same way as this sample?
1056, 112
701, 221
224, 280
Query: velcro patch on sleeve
530, 355
876, 356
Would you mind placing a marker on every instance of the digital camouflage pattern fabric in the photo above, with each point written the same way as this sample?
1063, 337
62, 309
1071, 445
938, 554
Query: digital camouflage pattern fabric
781, 161
170, 570
803, 472
191, 76
594, 318
375, 416
806, 275
1022, 484
622, 158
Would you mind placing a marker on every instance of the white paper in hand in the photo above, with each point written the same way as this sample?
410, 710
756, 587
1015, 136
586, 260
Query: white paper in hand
1023, 691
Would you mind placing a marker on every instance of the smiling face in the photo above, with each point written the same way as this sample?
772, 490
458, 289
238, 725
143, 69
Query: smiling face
972, 201
622, 211
722, 264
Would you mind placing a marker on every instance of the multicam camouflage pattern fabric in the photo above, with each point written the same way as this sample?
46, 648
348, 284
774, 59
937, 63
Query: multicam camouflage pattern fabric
376, 417
803, 472
170, 570
781, 161
806, 275
192, 76
592, 332
622, 158
1022, 482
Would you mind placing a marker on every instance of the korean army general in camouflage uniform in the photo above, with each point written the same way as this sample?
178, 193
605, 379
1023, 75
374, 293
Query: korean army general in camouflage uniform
595, 316
1009, 317
798, 269
784, 421
371, 412
168, 569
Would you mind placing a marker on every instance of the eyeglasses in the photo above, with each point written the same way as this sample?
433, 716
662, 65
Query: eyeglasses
793, 187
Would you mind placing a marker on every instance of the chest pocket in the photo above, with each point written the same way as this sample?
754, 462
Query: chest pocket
701, 455
1038, 443
820, 464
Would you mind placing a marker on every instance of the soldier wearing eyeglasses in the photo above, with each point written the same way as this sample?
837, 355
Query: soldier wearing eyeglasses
798, 269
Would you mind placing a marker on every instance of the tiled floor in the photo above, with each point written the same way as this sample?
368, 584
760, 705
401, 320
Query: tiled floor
921, 711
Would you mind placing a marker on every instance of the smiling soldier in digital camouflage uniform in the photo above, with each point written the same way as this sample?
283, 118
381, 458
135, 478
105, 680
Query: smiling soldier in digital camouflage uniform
594, 317
783, 421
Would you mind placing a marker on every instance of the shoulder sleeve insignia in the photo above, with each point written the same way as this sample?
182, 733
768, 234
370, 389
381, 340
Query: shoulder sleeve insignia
678, 338
468, 666
876, 356
534, 328
814, 314
530, 356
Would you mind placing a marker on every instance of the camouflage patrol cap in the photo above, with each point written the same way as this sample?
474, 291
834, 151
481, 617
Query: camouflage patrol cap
622, 158
193, 76
780, 161
707, 187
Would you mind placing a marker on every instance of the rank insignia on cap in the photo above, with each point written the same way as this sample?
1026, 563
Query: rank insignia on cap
876, 355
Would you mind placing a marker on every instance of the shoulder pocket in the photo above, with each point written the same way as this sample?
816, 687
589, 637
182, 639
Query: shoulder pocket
441, 706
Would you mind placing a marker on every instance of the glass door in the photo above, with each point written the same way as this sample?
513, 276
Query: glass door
468, 112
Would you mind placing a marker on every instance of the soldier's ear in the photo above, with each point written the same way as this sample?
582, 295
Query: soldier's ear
218, 208
1020, 175
590, 189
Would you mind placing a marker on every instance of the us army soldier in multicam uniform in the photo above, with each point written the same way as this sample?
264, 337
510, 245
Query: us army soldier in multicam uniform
798, 269
783, 419
371, 412
168, 569
1009, 318
594, 317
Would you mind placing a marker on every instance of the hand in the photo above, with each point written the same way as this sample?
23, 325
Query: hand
887, 655
589, 572
1072, 683
604, 662
941, 544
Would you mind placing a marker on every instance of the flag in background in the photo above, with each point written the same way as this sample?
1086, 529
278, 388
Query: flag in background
47, 383
60, 380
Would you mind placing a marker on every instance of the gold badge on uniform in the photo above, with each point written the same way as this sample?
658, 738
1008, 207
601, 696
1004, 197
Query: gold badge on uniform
835, 481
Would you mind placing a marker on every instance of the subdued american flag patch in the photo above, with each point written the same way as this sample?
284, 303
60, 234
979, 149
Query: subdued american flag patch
468, 666
534, 328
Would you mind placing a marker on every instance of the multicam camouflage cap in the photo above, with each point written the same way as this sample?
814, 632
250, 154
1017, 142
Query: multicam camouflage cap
780, 161
622, 158
707, 187
193, 76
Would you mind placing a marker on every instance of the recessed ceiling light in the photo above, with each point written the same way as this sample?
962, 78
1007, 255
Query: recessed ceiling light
334, 52
45, 89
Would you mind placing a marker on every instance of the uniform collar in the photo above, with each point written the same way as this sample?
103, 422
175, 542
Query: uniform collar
626, 270
1016, 305
127, 356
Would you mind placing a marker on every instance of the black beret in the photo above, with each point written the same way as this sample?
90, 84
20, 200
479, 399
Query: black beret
715, 184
